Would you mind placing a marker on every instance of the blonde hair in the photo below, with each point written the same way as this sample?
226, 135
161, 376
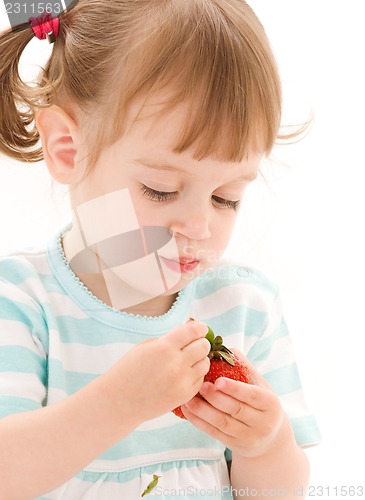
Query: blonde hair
213, 54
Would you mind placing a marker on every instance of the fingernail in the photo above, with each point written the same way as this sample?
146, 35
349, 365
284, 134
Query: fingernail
220, 383
190, 319
205, 386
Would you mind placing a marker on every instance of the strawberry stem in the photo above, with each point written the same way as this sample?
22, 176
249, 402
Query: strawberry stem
217, 349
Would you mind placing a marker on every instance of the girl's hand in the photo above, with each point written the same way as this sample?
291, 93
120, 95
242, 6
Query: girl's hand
159, 374
246, 418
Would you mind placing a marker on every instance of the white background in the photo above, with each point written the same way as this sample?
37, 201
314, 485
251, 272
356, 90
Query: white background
305, 230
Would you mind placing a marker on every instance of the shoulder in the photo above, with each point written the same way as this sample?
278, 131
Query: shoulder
20, 265
20, 275
233, 279
239, 301
22, 293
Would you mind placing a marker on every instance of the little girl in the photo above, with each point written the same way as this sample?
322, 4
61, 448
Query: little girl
156, 114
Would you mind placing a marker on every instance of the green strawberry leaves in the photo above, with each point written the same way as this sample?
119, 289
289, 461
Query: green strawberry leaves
217, 349
227, 357
210, 335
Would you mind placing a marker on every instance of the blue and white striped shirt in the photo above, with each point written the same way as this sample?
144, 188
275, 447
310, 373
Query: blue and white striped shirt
56, 337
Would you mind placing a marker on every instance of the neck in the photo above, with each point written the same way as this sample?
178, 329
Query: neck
96, 284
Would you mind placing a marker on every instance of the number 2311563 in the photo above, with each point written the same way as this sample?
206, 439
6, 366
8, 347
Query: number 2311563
34, 8
335, 491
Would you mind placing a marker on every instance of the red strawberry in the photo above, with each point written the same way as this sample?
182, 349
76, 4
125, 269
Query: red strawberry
223, 363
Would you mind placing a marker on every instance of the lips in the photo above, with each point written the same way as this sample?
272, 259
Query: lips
188, 264
187, 260
183, 265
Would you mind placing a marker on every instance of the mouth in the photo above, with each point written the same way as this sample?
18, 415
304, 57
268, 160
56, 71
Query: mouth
183, 265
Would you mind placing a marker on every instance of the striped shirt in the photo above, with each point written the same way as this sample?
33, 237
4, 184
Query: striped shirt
56, 337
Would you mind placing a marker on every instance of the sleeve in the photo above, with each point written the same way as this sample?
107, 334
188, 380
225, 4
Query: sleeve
272, 354
23, 351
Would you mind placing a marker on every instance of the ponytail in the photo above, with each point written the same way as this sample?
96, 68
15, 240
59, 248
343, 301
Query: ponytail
17, 110
212, 54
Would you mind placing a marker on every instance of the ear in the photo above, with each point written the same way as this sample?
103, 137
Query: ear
59, 135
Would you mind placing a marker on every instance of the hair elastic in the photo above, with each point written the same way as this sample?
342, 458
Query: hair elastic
45, 26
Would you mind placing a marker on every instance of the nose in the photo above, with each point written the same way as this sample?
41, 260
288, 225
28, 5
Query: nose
193, 222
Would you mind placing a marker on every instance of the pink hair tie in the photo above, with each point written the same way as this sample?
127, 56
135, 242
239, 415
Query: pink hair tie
44, 26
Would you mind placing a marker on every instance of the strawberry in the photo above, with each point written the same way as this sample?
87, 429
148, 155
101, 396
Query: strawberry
223, 363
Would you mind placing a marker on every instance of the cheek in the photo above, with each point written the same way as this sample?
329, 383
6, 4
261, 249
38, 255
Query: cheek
220, 237
223, 230
147, 216
142, 207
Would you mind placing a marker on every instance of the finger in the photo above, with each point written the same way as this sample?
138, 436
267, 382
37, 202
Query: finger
232, 406
212, 419
196, 351
200, 368
256, 376
207, 427
255, 396
184, 335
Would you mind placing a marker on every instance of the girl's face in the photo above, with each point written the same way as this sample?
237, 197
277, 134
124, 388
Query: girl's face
196, 200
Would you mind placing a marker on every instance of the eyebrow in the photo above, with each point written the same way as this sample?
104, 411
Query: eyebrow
159, 166
173, 168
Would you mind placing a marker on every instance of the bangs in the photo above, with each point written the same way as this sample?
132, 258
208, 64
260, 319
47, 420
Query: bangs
213, 56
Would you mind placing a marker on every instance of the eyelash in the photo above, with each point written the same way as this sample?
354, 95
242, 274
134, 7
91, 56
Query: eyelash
160, 196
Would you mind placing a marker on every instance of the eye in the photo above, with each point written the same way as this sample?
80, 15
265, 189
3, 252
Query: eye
222, 203
160, 196
154, 195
